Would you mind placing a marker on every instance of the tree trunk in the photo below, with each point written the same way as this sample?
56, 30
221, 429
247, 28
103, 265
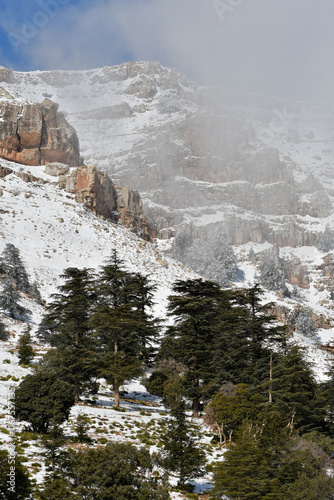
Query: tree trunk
221, 436
196, 408
76, 390
271, 378
116, 395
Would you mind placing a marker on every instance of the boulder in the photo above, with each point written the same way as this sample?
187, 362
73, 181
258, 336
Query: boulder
56, 169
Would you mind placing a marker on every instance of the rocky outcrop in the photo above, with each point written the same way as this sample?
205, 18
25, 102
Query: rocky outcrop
296, 273
289, 318
130, 209
327, 269
92, 188
56, 169
35, 134
96, 191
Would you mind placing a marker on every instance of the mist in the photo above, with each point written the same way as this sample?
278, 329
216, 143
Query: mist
267, 47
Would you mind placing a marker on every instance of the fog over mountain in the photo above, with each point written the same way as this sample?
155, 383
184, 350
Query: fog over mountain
239, 186
275, 48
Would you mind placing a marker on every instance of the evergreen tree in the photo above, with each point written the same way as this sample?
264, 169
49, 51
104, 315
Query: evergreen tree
272, 274
11, 263
43, 400
212, 257
123, 327
295, 392
264, 463
195, 307
34, 293
56, 489
166, 382
181, 453
229, 408
246, 333
65, 326
10, 299
118, 471
304, 322
325, 242
13, 486
25, 351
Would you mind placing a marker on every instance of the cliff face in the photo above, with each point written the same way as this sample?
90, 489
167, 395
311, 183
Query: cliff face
35, 134
97, 192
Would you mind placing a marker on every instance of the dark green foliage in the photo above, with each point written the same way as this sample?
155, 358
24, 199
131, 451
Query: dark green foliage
155, 384
195, 307
166, 382
81, 428
181, 453
10, 299
117, 471
264, 463
25, 351
245, 333
294, 391
121, 322
56, 489
14, 478
53, 442
220, 336
13, 266
65, 326
327, 396
230, 408
42, 399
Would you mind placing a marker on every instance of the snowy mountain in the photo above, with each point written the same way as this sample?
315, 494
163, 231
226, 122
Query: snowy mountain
205, 160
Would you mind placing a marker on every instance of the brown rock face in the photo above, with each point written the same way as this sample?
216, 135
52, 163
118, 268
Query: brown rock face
130, 208
34, 134
92, 188
96, 191
295, 273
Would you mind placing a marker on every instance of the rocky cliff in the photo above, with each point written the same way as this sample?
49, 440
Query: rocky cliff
256, 168
35, 134
97, 192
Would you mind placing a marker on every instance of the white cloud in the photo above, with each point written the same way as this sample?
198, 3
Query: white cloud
282, 48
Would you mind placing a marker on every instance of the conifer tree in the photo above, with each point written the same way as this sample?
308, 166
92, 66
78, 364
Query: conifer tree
245, 335
11, 263
265, 463
10, 299
195, 306
178, 444
117, 471
229, 408
123, 327
43, 400
295, 392
10, 468
25, 351
65, 326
